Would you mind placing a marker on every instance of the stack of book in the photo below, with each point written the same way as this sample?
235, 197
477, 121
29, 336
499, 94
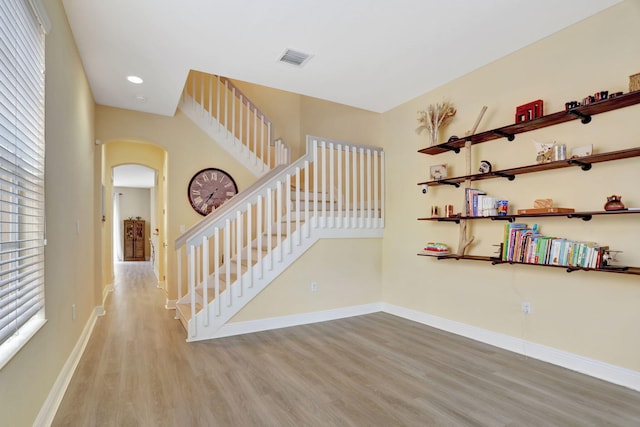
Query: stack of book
527, 245
478, 203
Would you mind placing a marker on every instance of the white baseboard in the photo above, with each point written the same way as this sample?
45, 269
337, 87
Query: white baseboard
51, 404
170, 304
604, 371
239, 328
105, 293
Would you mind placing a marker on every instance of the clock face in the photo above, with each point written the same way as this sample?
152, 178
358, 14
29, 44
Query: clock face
209, 189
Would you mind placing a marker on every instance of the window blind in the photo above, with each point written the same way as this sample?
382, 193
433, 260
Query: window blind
22, 219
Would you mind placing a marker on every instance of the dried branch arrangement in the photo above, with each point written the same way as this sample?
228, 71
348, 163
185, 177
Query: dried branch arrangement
435, 117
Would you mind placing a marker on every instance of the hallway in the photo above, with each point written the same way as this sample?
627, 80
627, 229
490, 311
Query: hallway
372, 370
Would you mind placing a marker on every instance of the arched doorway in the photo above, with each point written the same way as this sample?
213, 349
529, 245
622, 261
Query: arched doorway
134, 179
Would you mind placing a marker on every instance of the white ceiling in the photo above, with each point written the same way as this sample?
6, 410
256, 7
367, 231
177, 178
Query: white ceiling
371, 54
134, 176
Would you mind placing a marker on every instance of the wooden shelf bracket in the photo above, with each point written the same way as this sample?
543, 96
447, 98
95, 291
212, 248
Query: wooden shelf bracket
584, 217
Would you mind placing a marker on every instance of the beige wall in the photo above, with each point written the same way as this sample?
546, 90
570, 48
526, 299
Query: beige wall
591, 314
71, 268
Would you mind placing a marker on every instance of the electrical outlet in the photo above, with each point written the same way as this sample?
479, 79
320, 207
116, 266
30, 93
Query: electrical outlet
314, 286
526, 307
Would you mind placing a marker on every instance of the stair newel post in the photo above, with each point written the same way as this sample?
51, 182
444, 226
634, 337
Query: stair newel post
332, 196
339, 171
259, 229
239, 251
269, 223
227, 257
191, 278
216, 268
287, 206
306, 197
205, 281
249, 240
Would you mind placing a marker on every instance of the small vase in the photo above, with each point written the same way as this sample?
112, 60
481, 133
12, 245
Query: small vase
614, 203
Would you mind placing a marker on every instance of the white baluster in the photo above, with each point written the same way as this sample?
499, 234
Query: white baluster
288, 210
354, 185
332, 196
262, 129
259, 236
307, 178
218, 102
226, 105
205, 282
233, 115
216, 269
369, 188
382, 189
249, 254
362, 189
347, 186
239, 251
192, 288
323, 146
227, 258
298, 206
179, 271
279, 219
315, 183
269, 229
376, 189
339, 170
240, 122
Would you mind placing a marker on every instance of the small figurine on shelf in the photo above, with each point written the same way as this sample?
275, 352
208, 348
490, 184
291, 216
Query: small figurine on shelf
614, 203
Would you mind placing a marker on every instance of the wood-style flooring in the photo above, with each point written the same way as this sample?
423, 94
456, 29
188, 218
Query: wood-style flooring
372, 370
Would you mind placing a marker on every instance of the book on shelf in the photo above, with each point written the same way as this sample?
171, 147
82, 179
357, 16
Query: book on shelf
471, 199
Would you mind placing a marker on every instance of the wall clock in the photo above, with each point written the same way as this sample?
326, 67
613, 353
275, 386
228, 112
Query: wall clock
209, 189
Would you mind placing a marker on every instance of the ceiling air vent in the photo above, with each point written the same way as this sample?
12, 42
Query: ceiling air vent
293, 57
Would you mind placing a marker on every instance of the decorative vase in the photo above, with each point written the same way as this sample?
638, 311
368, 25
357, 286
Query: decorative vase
614, 203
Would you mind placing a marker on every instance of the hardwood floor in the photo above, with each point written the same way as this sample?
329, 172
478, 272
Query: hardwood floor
373, 370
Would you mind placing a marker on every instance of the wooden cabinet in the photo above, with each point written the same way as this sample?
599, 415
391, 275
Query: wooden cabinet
134, 241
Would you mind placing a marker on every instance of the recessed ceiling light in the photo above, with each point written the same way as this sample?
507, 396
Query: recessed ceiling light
135, 79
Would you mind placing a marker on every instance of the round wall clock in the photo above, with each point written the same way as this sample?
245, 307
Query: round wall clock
209, 189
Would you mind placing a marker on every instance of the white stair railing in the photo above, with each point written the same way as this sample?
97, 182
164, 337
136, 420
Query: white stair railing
335, 190
221, 109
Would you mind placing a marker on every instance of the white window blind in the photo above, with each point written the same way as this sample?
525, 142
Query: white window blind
22, 221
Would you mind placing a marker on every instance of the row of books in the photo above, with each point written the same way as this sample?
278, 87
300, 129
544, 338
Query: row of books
478, 203
526, 244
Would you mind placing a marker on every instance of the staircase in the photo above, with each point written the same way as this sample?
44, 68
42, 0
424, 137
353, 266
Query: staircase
336, 190
219, 108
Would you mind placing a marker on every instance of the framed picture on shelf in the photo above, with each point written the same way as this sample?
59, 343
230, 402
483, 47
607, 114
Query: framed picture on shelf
438, 172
